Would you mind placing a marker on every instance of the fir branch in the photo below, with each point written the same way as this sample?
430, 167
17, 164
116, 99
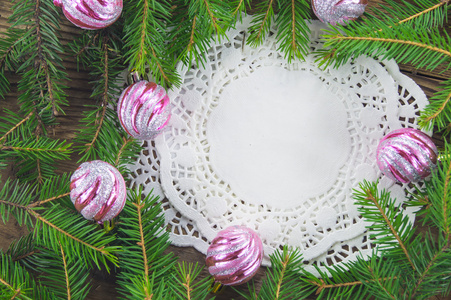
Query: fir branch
127, 154
418, 13
143, 266
427, 270
371, 198
141, 243
186, 284
100, 136
13, 200
56, 225
194, 25
427, 48
15, 281
293, 31
63, 257
282, 279
40, 203
428, 10
385, 290
99, 123
8, 56
240, 8
438, 111
146, 37
41, 67
322, 285
15, 127
394, 41
261, 23
439, 192
391, 229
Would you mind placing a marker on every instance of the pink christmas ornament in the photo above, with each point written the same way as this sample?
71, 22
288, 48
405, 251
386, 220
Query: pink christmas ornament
406, 155
97, 190
338, 11
143, 109
234, 255
91, 14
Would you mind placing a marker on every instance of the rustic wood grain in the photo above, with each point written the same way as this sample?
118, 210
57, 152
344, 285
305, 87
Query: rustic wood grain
103, 285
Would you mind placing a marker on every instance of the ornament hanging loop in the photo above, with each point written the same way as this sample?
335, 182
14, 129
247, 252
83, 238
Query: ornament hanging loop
217, 288
133, 77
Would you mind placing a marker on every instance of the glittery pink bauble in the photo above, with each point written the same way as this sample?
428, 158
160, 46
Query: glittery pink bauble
91, 14
97, 190
338, 11
234, 255
406, 155
143, 109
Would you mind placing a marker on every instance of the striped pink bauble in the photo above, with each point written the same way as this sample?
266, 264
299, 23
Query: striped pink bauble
406, 155
143, 109
235, 255
91, 14
98, 191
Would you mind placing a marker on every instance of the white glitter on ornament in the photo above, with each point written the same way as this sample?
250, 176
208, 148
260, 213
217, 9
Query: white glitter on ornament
338, 11
98, 191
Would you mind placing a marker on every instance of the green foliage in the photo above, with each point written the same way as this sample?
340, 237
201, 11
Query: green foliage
81, 240
185, 284
293, 31
195, 24
261, 22
41, 85
282, 279
438, 191
13, 198
16, 282
144, 265
101, 136
146, 36
387, 33
390, 228
438, 112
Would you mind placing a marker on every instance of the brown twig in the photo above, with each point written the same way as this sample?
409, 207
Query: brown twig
143, 30
16, 126
119, 154
428, 267
264, 20
17, 292
212, 17
42, 62
383, 287
237, 8
44, 220
191, 38
26, 255
38, 203
63, 257
282, 273
188, 288
159, 66
394, 41
440, 110
424, 11
104, 96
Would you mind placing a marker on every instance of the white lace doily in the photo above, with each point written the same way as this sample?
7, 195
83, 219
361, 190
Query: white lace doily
277, 147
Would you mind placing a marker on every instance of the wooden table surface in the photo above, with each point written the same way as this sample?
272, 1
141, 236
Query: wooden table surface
103, 286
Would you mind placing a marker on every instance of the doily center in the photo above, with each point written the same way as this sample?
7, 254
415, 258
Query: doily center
284, 114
